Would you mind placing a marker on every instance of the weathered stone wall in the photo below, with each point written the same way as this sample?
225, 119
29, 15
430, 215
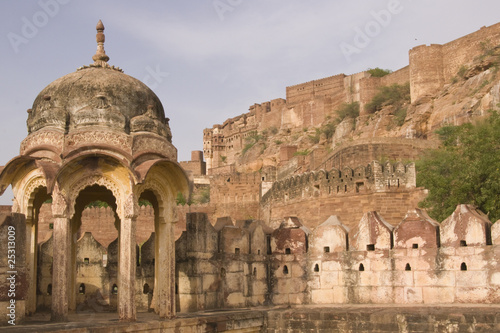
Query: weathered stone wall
371, 262
100, 221
348, 193
13, 268
307, 104
431, 66
363, 151
382, 319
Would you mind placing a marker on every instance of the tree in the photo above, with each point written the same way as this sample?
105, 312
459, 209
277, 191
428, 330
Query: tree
464, 170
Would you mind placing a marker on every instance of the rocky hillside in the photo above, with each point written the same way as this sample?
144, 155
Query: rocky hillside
473, 91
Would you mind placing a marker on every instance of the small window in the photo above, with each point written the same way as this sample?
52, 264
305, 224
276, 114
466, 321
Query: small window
254, 271
51, 226
81, 289
326, 249
415, 246
86, 261
463, 267
114, 289
407, 267
49, 289
145, 289
361, 268
463, 243
237, 250
370, 247
288, 251
316, 268
285, 270
258, 251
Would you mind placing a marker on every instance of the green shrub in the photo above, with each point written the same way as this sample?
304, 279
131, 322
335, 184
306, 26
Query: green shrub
97, 203
378, 72
301, 152
395, 94
328, 130
347, 110
400, 116
273, 130
316, 137
462, 71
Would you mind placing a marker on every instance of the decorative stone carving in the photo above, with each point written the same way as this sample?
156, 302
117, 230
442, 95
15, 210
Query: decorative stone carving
131, 207
107, 138
151, 121
149, 143
46, 113
99, 112
42, 138
100, 180
59, 203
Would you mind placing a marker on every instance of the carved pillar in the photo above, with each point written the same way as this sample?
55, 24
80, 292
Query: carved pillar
61, 257
31, 260
127, 262
165, 261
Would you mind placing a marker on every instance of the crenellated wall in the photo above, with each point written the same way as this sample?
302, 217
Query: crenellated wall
248, 264
244, 263
389, 188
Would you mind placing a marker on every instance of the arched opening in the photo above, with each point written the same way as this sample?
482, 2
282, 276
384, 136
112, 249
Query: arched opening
463, 266
285, 270
149, 247
407, 267
81, 289
361, 268
316, 268
39, 249
145, 289
95, 214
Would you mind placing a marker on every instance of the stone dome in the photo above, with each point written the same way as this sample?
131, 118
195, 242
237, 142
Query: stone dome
98, 95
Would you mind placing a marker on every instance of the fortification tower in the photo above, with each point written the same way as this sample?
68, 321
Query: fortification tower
97, 134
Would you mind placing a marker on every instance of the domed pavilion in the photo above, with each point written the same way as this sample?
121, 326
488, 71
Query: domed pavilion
98, 134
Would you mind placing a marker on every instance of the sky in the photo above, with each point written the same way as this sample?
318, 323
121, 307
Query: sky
210, 60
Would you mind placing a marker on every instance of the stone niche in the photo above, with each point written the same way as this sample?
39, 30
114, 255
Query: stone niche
417, 230
467, 226
371, 233
330, 236
290, 237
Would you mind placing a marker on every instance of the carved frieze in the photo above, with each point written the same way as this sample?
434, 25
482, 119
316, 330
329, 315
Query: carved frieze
151, 121
41, 138
117, 140
149, 143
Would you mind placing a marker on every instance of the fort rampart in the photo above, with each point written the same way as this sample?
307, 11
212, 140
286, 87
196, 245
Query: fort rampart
308, 104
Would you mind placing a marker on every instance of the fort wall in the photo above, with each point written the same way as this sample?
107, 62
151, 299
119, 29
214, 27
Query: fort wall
308, 104
370, 262
431, 66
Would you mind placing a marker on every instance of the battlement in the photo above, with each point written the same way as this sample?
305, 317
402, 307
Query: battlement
245, 263
373, 262
374, 177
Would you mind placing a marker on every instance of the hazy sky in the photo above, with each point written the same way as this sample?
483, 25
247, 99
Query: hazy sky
209, 60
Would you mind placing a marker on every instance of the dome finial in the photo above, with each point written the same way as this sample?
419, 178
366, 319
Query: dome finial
100, 58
